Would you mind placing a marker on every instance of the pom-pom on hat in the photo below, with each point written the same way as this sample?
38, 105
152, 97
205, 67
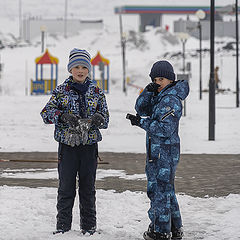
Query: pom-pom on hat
162, 69
79, 57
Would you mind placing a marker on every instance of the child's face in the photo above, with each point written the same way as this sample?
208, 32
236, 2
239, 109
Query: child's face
163, 82
79, 73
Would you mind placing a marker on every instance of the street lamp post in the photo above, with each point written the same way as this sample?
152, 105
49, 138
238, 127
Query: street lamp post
183, 37
201, 15
200, 60
124, 62
211, 136
123, 45
237, 69
183, 54
43, 29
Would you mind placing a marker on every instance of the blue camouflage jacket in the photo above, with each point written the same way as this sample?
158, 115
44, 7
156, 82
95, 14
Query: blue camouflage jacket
162, 113
64, 100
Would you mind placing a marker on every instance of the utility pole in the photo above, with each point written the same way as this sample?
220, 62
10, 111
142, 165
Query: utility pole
237, 70
183, 38
200, 60
123, 45
201, 15
65, 19
43, 29
211, 136
20, 19
183, 45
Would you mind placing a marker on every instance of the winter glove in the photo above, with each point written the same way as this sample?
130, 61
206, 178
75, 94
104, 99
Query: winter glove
153, 87
135, 120
79, 134
70, 119
97, 120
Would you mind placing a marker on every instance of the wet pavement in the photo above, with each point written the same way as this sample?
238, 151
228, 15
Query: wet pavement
197, 175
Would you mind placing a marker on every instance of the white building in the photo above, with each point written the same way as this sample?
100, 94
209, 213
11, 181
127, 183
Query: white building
33, 27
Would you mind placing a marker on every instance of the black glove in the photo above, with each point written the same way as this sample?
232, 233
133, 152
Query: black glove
70, 119
135, 120
153, 87
97, 120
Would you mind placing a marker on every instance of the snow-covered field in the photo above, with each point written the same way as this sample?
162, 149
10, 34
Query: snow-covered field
27, 213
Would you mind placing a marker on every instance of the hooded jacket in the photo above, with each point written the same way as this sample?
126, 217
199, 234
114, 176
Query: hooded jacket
65, 99
162, 113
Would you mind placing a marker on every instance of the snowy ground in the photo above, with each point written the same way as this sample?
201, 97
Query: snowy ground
29, 214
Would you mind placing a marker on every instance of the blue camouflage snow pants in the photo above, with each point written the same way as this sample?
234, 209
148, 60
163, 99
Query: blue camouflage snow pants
164, 211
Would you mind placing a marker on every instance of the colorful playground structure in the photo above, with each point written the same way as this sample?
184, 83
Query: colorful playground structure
103, 65
45, 85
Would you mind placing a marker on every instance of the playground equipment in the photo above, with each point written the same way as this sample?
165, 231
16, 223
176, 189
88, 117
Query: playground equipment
103, 65
42, 85
134, 85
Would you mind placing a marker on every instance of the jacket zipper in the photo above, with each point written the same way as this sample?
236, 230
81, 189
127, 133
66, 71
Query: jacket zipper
149, 150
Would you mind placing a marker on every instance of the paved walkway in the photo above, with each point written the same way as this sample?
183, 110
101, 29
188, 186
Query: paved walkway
197, 175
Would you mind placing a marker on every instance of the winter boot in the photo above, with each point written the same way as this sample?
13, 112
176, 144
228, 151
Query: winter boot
90, 231
177, 234
61, 228
151, 235
60, 231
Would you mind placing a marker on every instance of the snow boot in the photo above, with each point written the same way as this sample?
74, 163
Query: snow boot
61, 228
151, 235
177, 234
60, 231
89, 231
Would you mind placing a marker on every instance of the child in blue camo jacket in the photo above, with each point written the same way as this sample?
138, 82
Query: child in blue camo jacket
160, 105
78, 109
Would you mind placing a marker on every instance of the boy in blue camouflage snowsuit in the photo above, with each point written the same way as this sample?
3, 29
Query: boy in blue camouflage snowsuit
160, 105
78, 109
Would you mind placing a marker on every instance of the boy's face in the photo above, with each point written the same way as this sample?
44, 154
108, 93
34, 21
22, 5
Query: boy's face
163, 82
79, 73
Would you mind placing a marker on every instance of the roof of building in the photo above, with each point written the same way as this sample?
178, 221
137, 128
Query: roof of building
161, 9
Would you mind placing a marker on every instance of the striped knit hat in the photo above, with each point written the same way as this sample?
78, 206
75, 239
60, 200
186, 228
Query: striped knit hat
79, 57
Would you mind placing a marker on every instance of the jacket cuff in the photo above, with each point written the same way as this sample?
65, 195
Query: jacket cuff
144, 123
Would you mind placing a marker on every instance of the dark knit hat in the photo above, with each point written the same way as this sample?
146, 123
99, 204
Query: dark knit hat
162, 69
79, 57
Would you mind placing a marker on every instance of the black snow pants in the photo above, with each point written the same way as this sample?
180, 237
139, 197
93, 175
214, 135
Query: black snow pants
81, 160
